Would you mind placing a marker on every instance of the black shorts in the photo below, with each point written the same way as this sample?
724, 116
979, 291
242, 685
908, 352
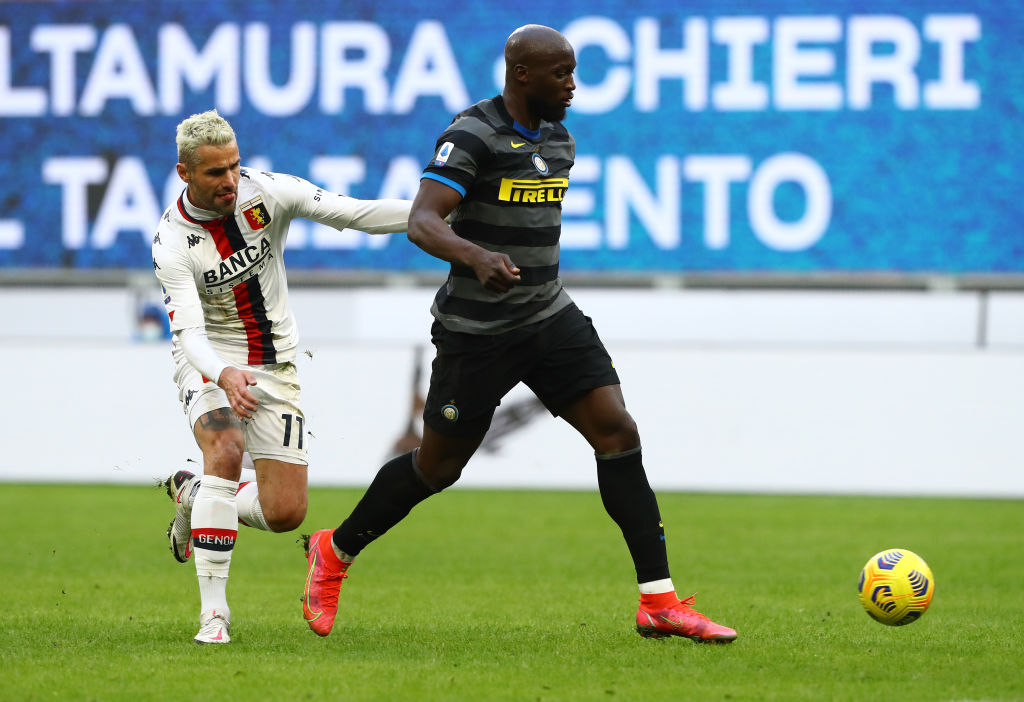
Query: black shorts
560, 359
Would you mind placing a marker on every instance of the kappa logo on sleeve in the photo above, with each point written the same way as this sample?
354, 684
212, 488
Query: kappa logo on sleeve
443, 154
256, 214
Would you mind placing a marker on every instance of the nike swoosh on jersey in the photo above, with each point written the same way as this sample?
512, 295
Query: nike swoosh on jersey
515, 145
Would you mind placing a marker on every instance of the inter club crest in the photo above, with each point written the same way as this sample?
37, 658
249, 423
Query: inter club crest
256, 214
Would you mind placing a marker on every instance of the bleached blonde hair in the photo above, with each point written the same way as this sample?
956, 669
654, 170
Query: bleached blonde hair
203, 129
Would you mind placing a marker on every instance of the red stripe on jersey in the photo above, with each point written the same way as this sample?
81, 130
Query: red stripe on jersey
243, 301
249, 300
220, 236
182, 212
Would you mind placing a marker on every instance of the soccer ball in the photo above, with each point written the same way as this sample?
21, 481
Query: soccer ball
896, 586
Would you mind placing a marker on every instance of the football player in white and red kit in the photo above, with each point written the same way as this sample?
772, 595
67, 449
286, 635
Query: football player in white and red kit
218, 253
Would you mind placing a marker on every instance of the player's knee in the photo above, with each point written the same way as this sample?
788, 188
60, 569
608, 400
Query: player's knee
440, 460
444, 479
286, 520
283, 523
629, 434
287, 516
618, 437
224, 453
441, 475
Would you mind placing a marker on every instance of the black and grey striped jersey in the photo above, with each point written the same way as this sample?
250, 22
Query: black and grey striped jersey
512, 180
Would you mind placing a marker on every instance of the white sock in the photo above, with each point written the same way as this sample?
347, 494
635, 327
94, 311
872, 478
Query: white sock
187, 498
250, 512
342, 556
656, 587
214, 529
213, 595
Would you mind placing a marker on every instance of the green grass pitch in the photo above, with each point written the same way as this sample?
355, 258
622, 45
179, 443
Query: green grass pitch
512, 595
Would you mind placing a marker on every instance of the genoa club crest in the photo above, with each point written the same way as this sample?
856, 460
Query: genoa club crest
256, 214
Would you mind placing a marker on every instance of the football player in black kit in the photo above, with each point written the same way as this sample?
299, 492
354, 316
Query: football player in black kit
499, 174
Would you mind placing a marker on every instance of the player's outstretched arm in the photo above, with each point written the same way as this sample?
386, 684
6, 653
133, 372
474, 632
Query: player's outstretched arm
304, 199
429, 231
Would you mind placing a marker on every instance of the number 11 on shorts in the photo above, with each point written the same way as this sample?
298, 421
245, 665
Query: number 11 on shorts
288, 428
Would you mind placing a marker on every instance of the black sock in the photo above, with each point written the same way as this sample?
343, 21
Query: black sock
630, 501
395, 490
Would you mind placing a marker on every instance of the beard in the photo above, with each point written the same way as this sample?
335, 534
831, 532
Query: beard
550, 111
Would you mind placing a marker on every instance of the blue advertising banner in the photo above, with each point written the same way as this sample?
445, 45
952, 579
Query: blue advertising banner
782, 136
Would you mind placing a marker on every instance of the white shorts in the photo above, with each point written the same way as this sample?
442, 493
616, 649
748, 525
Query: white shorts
277, 428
